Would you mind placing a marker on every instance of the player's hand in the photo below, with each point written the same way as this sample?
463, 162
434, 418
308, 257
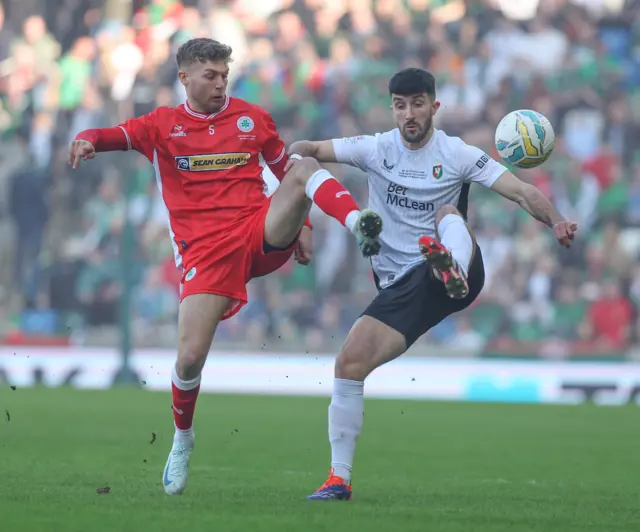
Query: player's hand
80, 150
293, 159
564, 232
289, 165
304, 247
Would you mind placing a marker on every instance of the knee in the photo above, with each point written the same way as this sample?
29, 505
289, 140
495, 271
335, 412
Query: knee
444, 211
191, 359
303, 170
353, 362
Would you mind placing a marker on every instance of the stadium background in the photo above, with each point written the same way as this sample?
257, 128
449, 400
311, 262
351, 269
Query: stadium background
321, 67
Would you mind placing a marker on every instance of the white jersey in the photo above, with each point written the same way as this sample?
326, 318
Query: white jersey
406, 187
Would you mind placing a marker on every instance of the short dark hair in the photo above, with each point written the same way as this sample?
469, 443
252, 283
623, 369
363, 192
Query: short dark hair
203, 49
413, 81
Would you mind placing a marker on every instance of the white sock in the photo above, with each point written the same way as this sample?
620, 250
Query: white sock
351, 220
454, 235
346, 415
184, 437
316, 180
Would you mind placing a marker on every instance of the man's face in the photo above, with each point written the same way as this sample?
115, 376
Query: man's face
206, 84
414, 115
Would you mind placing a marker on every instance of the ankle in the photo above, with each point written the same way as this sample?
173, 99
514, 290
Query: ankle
184, 436
342, 471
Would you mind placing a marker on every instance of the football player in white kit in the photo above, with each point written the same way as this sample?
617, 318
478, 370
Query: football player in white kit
429, 265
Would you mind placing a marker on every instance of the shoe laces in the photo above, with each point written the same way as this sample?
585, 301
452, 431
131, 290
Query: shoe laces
179, 457
332, 481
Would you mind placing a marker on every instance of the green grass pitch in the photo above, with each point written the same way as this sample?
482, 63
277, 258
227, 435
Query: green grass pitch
419, 466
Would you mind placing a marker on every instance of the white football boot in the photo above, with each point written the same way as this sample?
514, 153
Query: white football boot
176, 471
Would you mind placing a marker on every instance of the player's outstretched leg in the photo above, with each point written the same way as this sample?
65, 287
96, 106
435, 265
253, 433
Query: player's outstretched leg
370, 344
198, 318
307, 182
451, 253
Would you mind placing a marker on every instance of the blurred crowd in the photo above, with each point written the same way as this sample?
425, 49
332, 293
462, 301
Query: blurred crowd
321, 68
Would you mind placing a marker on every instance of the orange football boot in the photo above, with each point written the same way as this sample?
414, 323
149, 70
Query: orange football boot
334, 489
445, 267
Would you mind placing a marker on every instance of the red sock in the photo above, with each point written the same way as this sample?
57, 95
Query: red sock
328, 194
184, 400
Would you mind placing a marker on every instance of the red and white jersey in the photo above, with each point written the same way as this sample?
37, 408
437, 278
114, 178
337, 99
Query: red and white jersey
208, 167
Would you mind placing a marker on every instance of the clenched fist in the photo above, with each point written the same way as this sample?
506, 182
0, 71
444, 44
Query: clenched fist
564, 232
80, 150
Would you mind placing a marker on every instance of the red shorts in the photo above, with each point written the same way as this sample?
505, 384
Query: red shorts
224, 268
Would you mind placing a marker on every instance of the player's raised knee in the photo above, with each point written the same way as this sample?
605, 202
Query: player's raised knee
303, 170
444, 210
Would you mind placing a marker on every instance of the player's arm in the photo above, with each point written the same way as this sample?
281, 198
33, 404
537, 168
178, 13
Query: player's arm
136, 134
91, 141
321, 150
528, 197
354, 151
274, 153
480, 168
537, 205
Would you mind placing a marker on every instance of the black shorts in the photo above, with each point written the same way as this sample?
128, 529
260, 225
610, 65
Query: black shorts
418, 301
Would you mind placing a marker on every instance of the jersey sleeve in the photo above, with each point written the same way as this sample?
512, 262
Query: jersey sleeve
273, 148
141, 133
477, 167
355, 151
271, 182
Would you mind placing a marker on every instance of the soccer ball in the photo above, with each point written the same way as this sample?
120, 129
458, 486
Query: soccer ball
525, 138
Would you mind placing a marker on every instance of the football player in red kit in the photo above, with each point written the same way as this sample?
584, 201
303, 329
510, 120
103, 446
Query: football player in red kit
208, 156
